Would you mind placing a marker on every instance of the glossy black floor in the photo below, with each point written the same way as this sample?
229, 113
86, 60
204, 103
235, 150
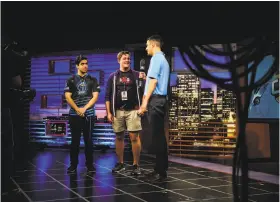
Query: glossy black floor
45, 179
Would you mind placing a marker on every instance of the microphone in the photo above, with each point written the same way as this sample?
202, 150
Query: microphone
142, 69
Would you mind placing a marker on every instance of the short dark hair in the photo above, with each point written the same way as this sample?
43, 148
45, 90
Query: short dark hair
79, 59
156, 38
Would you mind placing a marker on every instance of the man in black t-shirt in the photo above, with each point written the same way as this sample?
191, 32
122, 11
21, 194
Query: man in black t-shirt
81, 93
126, 83
123, 99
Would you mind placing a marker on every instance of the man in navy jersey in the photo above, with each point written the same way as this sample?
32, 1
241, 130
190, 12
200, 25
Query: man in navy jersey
81, 93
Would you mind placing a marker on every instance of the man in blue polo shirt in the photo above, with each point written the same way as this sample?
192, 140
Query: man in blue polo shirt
154, 102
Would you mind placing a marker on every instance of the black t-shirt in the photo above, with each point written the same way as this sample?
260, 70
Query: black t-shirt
125, 81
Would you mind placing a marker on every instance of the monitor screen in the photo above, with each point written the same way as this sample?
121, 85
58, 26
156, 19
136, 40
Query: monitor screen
264, 103
59, 66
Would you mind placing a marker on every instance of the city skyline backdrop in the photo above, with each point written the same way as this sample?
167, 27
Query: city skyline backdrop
269, 108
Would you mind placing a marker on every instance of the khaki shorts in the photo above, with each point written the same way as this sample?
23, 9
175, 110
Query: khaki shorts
127, 120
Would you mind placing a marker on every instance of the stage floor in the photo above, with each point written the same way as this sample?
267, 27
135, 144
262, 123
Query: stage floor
45, 179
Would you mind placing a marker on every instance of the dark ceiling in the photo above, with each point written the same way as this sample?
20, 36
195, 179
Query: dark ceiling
57, 26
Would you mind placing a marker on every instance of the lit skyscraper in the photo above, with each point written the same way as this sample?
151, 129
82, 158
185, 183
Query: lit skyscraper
228, 102
185, 101
207, 99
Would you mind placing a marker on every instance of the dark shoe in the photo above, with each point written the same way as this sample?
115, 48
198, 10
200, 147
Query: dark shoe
150, 174
72, 169
136, 170
118, 168
157, 178
91, 169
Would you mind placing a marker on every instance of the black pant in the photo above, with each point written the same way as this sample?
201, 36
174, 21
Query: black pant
7, 149
77, 125
156, 114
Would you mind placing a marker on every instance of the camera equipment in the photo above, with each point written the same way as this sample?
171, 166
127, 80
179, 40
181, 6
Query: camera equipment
12, 49
23, 95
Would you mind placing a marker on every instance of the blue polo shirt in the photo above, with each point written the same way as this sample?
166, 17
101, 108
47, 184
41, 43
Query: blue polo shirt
159, 70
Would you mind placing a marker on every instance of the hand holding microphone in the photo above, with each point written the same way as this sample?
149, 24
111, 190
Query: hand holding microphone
142, 74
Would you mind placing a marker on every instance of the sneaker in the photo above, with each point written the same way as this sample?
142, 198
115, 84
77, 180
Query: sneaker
118, 168
136, 170
72, 169
150, 174
156, 178
91, 169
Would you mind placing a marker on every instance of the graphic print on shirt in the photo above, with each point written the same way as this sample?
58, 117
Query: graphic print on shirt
82, 87
125, 80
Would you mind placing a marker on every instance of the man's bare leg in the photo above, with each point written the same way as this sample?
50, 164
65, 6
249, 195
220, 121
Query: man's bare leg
119, 142
136, 147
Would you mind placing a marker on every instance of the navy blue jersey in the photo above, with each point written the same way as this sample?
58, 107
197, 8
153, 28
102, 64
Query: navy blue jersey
82, 89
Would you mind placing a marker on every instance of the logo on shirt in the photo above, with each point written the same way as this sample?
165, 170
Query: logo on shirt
82, 88
125, 80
